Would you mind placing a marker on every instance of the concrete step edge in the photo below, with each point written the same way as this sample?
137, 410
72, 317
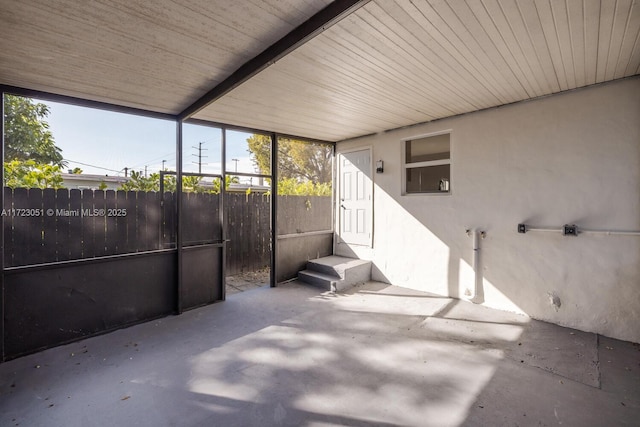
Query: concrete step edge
318, 279
340, 270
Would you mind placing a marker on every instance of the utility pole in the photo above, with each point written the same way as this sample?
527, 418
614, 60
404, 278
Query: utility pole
199, 156
236, 164
145, 171
163, 162
126, 172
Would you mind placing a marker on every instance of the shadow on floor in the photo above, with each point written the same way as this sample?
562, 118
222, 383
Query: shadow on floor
377, 355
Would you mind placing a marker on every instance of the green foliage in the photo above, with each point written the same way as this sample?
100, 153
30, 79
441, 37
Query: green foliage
76, 171
103, 186
296, 159
190, 184
293, 187
33, 159
216, 184
31, 174
260, 149
304, 169
26, 133
139, 182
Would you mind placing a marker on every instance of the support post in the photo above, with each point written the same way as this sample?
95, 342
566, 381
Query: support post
2, 293
223, 215
274, 209
179, 214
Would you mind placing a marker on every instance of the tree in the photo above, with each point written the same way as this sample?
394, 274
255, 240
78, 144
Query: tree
228, 180
139, 182
30, 174
26, 132
77, 171
296, 159
190, 184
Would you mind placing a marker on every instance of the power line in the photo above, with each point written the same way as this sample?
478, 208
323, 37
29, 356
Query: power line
171, 155
146, 162
94, 166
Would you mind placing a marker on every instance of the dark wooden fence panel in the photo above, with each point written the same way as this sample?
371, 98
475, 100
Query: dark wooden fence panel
248, 219
131, 220
111, 231
122, 205
22, 244
33, 224
61, 229
49, 224
169, 221
152, 215
43, 226
75, 224
302, 214
201, 219
8, 226
263, 223
86, 224
99, 231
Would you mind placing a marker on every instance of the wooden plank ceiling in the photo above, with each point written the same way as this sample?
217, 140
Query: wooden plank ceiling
388, 64
395, 63
155, 55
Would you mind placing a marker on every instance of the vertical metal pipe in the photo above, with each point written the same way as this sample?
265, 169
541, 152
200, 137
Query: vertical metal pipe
179, 214
223, 215
476, 263
274, 209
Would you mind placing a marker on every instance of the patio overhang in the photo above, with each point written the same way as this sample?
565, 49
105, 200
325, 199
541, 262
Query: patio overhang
293, 67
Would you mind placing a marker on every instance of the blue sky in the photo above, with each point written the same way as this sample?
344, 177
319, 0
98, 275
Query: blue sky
104, 143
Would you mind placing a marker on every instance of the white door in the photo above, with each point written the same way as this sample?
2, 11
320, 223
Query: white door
355, 201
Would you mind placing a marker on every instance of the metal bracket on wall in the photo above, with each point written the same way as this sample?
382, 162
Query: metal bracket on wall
470, 232
573, 230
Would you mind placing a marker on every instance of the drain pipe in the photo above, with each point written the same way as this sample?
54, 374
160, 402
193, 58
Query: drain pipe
477, 235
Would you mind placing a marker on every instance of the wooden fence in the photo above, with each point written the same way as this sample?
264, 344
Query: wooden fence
43, 226
302, 214
248, 232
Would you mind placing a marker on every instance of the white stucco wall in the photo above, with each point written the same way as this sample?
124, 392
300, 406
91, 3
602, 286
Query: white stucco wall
568, 158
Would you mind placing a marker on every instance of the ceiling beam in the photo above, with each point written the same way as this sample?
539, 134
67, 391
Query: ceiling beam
330, 15
84, 102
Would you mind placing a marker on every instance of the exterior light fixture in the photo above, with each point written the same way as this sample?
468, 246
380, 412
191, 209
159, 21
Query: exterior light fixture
379, 166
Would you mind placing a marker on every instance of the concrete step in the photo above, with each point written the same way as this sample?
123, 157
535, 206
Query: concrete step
324, 281
341, 266
335, 273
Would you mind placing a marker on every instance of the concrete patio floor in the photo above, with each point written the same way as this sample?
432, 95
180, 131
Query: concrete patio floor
376, 356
